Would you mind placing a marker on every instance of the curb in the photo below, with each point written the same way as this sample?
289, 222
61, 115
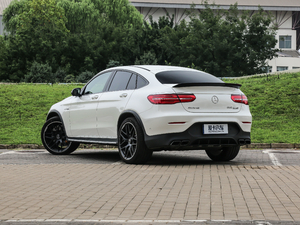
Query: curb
272, 145
35, 146
93, 146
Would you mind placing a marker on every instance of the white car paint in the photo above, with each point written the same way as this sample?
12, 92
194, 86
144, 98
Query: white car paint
96, 115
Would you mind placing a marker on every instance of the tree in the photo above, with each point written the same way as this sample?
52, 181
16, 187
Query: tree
74, 36
36, 32
3, 60
82, 16
40, 73
119, 12
69, 35
151, 36
147, 59
222, 42
227, 43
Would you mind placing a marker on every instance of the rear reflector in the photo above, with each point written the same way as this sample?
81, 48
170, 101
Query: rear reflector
176, 122
239, 98
171, 98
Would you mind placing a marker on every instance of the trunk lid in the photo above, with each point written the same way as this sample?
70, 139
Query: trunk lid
210, 99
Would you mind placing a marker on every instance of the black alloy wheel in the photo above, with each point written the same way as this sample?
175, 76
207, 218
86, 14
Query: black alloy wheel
132, 148
54, 138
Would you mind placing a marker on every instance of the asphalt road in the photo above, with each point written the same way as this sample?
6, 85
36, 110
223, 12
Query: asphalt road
279, 157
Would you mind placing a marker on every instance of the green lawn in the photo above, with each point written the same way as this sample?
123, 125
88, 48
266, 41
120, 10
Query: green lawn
274, 104
24, 108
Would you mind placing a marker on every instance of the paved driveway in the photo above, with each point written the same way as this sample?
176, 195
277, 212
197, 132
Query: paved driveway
94, 186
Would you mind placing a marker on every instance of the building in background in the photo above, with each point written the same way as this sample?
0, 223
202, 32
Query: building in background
286, 15
3, 5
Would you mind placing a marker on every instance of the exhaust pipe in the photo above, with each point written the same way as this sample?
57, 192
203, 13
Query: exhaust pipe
246, 141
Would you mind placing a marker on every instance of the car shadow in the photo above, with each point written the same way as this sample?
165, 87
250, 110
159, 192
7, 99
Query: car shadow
169, 158
158, 158
97, 156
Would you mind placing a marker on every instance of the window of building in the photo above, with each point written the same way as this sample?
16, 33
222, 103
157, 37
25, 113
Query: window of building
282, 68
285, 41
296, 67
266, 69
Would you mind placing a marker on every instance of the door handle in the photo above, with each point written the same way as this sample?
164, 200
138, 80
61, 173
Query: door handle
95, 97
123, 95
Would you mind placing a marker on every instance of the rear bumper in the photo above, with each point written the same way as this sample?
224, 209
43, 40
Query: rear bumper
194, 138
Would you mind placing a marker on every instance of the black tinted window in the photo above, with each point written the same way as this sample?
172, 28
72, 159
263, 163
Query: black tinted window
97, 84
180, 77
120, 81
141, 82
132, 82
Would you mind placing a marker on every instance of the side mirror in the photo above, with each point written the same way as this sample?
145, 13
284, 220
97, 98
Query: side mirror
76, 92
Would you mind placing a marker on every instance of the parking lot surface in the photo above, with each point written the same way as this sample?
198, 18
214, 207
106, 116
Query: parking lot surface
95, 187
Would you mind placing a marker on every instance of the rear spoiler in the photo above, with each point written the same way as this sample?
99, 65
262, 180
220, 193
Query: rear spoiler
208, 84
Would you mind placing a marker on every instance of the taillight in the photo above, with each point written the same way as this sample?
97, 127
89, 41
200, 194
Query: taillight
186, 97
171, 98
240, 98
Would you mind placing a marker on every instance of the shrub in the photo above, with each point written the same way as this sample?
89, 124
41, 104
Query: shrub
59, 75
40, 73
85, 76
113, 63
148, 58
70, 78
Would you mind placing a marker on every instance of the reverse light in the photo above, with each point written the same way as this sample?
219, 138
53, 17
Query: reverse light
171, 98
240, 98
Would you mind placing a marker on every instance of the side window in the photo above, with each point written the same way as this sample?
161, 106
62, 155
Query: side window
132, 82
120, 81
285, 41
97, 84
141, 82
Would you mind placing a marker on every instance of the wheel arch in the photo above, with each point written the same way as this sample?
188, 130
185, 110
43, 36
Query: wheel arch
130, 113
55, 113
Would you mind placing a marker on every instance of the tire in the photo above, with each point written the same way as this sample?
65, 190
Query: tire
224, 154
54, 138
131, 144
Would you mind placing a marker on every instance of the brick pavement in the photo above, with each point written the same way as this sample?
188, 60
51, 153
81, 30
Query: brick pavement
153, 192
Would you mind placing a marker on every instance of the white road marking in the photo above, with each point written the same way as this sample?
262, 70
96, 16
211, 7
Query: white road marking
22, 152
118, 162
263, 223
8, 152
273, 158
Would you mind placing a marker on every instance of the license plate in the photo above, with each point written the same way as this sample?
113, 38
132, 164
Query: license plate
215, 129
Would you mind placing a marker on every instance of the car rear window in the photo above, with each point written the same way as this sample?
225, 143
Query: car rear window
181, 77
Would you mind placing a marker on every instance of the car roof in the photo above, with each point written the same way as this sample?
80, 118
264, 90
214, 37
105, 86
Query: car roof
158, 68
154, 69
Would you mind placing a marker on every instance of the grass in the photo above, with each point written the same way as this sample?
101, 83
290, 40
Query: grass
274, 104
24, 108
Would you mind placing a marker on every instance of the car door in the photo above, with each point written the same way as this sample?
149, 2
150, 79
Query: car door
113, 103
83, 110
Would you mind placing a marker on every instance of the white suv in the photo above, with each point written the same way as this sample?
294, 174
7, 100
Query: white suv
142, 109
